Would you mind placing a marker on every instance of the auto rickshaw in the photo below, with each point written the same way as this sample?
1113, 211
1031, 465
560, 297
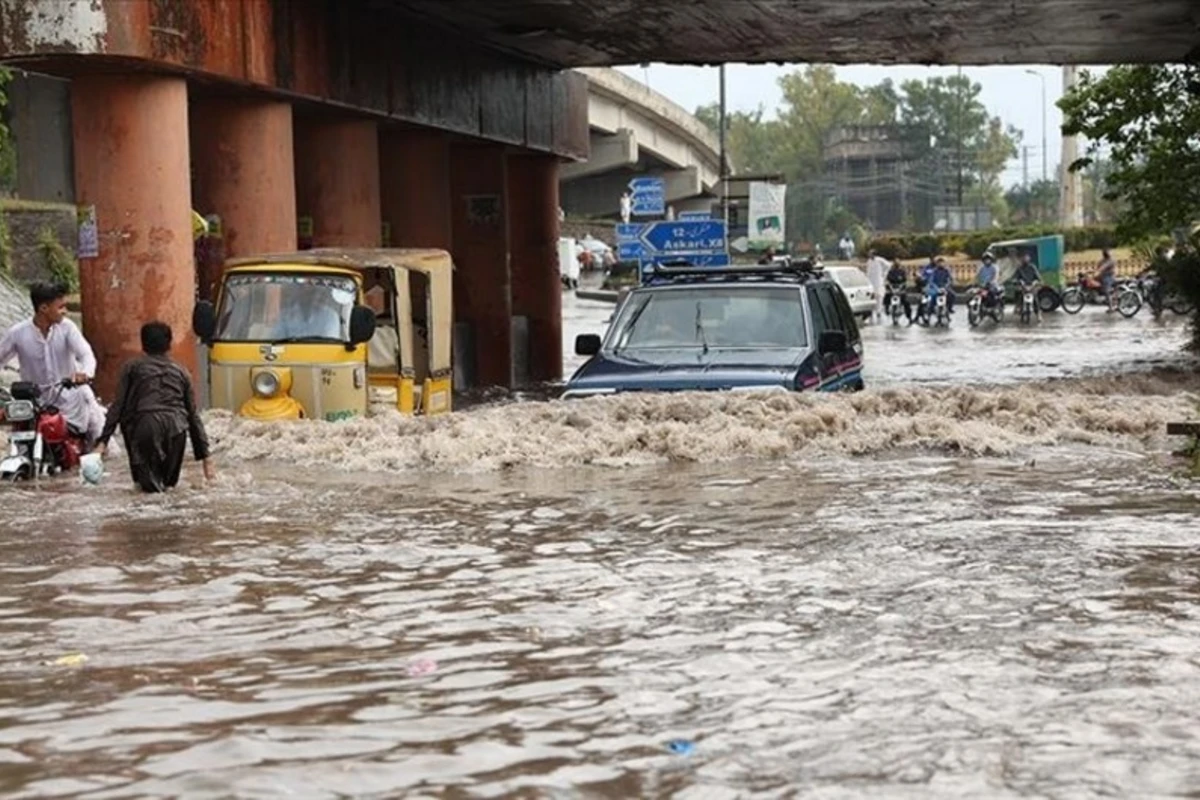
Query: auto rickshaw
1046, 252
323, 334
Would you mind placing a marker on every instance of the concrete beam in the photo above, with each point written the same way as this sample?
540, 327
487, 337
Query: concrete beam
618, 151
357, 56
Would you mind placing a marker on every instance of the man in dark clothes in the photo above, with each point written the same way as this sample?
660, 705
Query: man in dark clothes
156, 410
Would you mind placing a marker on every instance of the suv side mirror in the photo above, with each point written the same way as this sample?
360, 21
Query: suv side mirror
587, 344
832, 342
362, 325
204, 321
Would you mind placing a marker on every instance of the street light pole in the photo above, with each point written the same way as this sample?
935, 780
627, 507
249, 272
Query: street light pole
1042, 78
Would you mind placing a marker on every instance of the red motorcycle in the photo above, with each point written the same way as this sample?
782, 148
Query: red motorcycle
40, 441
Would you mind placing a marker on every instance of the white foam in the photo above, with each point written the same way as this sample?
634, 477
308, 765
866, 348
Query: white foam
1128, 411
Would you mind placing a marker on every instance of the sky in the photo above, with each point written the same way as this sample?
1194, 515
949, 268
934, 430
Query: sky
1009, 92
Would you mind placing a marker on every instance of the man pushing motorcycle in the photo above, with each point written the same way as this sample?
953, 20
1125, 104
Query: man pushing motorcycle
51, 350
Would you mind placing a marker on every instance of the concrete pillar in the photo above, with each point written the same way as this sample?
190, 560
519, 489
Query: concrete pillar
533, 240
131, 162
243, 171
415, 187
337, 180
482, 295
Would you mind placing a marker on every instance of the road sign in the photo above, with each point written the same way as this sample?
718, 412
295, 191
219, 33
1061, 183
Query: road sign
677, 237
629, 231
648, 196
632, 251
694, 215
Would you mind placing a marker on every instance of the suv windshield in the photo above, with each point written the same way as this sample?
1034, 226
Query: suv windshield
724, 316
262, 307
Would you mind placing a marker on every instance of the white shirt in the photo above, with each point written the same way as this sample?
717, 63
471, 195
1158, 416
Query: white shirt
47, 360
877, 268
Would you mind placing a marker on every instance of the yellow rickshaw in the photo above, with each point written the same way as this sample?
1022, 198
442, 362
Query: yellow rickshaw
324, 334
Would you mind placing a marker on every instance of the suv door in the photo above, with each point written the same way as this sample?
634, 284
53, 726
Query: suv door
841, 369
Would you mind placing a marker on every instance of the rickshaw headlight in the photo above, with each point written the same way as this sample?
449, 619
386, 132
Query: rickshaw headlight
265, 383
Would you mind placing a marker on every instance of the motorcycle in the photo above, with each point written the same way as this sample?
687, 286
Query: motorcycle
41, 443
1086, 290
895, 308
941, 309
1026, 302
983, 302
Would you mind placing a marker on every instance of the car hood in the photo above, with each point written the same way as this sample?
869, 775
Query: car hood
688, 369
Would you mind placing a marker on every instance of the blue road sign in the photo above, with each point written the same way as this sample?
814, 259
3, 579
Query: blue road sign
629, 231
700, 237
648, 196
632, 251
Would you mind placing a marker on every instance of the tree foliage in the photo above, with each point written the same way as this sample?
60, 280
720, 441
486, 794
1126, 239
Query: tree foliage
948, 112
1147, 118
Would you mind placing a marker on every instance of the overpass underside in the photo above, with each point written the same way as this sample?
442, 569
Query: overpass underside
570, 33
319, 120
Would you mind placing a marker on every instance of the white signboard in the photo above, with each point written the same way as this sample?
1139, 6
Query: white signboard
766, 214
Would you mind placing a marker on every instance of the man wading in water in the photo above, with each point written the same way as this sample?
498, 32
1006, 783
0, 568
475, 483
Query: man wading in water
156, 410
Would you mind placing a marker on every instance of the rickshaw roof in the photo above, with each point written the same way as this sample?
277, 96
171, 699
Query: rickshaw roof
1018, 242
357, 259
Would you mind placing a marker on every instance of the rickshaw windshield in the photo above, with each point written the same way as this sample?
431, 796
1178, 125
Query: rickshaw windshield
274, 307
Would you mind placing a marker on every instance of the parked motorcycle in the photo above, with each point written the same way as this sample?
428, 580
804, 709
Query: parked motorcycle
40, 442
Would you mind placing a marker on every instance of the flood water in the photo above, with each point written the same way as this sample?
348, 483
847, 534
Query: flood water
979, 578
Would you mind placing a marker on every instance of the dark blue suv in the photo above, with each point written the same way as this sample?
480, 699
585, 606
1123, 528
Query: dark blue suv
781, 327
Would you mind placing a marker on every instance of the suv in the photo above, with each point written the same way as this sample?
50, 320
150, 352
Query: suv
782, 327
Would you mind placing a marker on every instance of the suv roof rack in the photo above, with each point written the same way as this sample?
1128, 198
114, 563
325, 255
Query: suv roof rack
797, 271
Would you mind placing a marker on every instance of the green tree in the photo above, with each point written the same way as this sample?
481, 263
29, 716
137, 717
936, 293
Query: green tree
1147, 117
1033, 204
8, 150
961, 132
751, 142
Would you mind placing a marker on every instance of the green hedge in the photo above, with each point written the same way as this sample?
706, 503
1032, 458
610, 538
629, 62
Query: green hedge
924, 245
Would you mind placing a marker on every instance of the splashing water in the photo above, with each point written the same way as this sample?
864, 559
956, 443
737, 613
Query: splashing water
631, 429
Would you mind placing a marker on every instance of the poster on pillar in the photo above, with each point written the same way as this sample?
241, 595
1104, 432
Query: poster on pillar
766, 214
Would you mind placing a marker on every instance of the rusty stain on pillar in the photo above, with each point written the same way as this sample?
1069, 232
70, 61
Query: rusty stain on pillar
533, 239
131, 163
337, 180
482, 295
243, 170
415, 187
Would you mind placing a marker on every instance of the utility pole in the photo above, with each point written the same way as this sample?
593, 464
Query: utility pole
1025, 167
959, 125
724, 157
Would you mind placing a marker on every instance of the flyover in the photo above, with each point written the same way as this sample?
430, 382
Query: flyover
637, 131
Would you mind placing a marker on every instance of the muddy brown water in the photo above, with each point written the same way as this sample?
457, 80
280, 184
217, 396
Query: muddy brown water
969, 581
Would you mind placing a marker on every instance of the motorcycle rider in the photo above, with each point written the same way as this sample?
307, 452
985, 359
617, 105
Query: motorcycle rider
939, 278
987, 279
50, 348
1028, 276
897, 283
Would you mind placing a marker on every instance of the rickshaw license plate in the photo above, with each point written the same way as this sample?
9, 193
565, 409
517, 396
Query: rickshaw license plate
22, 436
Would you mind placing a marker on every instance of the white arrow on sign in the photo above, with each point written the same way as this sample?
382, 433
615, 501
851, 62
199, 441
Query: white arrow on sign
741, 244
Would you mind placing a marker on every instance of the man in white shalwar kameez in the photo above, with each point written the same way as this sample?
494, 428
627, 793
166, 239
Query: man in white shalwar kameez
877, 269
50, 348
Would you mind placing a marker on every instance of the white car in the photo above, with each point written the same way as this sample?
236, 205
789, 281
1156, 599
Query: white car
856, 287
